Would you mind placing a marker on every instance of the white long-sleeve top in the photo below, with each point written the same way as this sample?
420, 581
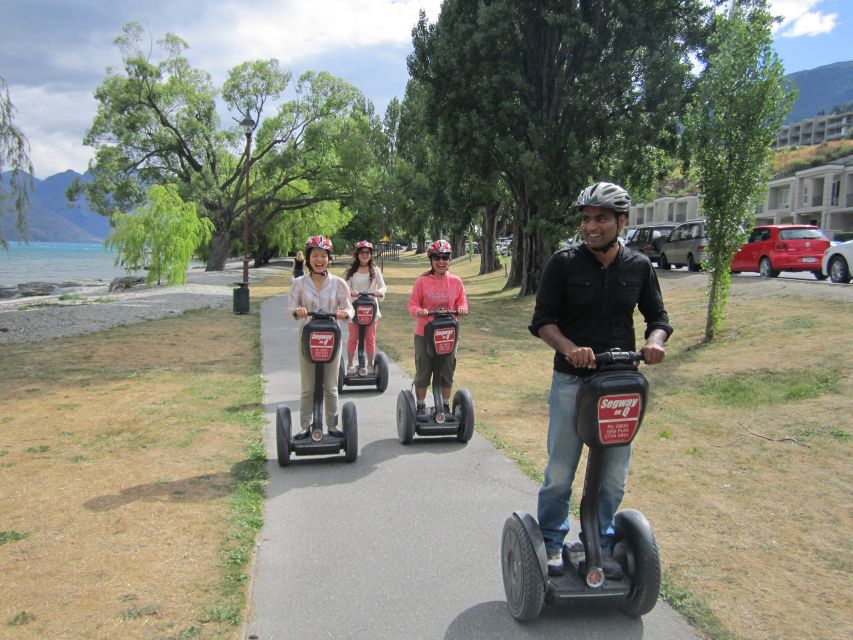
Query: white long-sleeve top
361, 282
334, 294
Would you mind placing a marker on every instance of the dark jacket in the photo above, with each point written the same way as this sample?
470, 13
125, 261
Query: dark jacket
594, 306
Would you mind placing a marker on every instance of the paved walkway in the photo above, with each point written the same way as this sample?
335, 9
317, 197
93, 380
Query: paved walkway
404, 543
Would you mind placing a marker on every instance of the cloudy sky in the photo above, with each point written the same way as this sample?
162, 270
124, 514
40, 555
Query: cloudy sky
53, 53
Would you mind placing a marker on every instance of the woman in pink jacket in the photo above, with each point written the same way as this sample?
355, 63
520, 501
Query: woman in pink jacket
435, 290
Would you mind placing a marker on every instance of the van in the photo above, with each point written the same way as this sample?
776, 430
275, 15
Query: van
687, 245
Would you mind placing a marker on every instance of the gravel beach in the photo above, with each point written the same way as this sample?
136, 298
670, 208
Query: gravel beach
93, 307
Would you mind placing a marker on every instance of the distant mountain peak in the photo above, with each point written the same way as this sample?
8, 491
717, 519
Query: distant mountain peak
821, 89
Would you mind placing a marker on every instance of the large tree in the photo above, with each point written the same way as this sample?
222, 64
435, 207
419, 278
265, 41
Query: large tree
14, 153
553, 95
739, 106
157, 123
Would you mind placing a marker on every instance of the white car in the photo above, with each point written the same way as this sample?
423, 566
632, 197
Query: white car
837, 261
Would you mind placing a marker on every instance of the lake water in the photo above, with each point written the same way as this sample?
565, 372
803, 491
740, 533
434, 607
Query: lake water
58, 262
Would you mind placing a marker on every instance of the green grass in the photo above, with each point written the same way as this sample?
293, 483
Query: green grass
695, 611
770, 387
20, 619
12, 536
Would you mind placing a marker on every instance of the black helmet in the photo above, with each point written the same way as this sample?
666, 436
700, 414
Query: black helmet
606, 195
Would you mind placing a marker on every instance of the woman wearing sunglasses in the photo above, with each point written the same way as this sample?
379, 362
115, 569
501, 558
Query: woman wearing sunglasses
434, 290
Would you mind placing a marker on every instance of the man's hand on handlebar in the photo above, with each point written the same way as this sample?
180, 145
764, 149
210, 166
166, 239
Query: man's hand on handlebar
653, 352
341, 314
300, 312
581, 357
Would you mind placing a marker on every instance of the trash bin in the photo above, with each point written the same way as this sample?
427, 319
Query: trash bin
241, 297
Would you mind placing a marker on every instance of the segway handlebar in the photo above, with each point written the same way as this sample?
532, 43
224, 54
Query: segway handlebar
616, 356
322, 315
443, 312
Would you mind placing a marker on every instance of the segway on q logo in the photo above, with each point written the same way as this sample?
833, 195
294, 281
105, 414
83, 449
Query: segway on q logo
618, 417
444, 340
322, 344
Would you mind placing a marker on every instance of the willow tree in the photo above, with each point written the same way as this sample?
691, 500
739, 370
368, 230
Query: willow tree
14, 153
161, 236
740, 103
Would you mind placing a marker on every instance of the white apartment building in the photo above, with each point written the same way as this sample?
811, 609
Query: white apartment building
822, 196
814, 130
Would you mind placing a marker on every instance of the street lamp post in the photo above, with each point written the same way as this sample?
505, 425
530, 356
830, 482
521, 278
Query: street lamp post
241, 295
248, 125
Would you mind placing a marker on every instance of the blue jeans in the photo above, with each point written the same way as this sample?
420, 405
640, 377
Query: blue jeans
564, 452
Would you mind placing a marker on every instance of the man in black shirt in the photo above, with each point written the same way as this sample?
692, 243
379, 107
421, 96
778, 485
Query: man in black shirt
585, 305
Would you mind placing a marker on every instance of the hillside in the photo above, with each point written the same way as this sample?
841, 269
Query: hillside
821, 89
50, 218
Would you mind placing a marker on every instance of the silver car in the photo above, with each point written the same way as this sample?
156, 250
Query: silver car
687, 245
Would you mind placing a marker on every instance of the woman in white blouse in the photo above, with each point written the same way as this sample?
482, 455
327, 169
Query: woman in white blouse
320, 291
363, 276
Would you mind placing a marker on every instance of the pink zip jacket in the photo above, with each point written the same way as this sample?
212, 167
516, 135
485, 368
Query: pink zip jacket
433, 293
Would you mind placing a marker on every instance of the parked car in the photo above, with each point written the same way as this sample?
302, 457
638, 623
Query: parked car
574, 241
773, 248
643, 240
685, 245
837, 260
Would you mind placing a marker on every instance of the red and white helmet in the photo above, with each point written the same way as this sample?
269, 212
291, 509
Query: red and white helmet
364, 244
439, 246
318, 242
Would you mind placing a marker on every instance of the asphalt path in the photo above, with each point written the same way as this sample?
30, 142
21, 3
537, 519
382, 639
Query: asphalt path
405, 541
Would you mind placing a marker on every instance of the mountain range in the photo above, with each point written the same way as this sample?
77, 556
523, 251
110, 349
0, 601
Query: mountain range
821, 89
51, 218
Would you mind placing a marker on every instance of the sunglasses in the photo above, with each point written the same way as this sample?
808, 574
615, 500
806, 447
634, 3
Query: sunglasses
441, 256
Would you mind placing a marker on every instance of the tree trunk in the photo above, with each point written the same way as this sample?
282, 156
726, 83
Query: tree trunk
421, 244
489, 260
518, 248
536, 252
220, 248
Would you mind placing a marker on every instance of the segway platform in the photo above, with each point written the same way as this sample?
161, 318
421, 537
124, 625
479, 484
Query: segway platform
366, 309
321, 339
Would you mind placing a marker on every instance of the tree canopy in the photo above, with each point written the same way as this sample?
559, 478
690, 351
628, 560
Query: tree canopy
157, 123
551, 96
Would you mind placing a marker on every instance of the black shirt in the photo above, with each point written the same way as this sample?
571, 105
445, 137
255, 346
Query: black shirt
593, 306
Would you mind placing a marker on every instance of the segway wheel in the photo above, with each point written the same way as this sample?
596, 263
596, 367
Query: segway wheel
405, 419
350, 420
523, 585
282, 435
463, 409
380, 365
342, 370
637, 551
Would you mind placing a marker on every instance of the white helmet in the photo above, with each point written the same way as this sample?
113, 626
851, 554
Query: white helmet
606, 195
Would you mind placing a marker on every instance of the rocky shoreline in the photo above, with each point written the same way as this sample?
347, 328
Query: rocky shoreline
82, 307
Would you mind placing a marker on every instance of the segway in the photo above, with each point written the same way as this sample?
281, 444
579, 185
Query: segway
442, 334
611, 405
321, 340
365, 315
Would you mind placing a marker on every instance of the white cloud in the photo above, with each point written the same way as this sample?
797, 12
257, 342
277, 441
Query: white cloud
799, 18
54, 123
232, 32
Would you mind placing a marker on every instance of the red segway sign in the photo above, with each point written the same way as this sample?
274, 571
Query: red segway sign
321, 345
618, 417
444, 340
364, 314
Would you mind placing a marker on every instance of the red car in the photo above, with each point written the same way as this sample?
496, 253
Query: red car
782, 247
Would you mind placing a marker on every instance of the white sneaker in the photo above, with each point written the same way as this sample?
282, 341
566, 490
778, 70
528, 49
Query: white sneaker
555, 563
351, 370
